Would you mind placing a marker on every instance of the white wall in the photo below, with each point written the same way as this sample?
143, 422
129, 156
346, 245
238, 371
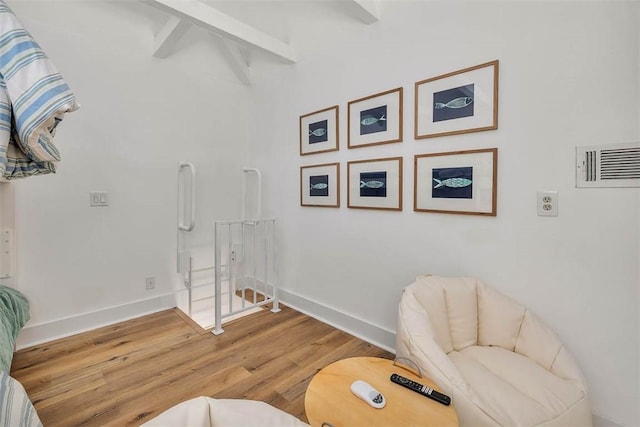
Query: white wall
82, 266
568, 76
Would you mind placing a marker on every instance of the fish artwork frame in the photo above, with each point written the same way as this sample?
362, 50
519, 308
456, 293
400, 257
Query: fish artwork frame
319, 131
456, 182
375, 184
462, 101
375, 119
320, 185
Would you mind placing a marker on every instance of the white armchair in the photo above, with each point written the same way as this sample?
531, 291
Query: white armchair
208, 412
500, 364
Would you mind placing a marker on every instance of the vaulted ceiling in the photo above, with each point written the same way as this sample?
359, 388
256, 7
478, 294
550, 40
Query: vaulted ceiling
238, 38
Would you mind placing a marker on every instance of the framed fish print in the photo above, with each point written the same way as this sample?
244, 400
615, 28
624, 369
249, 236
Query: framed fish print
375, 184
459, 102
319, 131
459, 182
320, 185
376, 119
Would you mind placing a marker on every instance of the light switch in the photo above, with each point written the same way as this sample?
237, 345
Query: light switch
98, 198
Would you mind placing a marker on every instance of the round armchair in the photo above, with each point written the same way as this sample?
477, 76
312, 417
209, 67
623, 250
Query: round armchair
500, 364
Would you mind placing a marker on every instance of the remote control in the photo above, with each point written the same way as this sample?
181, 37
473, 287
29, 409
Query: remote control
421, 389
369, 394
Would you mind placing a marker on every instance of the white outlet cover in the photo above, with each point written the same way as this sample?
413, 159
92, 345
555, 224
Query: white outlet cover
547, 203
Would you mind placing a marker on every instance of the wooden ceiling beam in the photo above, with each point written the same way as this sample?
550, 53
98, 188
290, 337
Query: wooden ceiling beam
214, 21
236, 61
168, 36
366, 10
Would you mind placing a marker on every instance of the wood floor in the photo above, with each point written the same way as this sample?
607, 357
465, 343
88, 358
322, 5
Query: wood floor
128, 373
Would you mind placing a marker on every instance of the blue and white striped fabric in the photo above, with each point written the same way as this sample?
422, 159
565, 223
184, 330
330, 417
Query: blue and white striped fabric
16, 409
33, 100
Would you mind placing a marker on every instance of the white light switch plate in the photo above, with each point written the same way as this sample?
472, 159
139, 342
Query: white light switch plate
98, 198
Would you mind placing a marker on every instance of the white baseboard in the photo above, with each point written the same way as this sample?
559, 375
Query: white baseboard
352, 325
33, 334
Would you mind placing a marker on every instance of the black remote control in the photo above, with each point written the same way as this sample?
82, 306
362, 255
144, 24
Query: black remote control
421, 389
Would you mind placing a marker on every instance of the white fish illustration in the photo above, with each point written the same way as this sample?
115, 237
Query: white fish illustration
453, 182
319, 186
370, 120
461, 102
371, 184
318, 132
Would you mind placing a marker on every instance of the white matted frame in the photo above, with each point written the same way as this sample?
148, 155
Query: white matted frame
319, 131
458, 102
375, 119
459, 182
320, 185
375, 184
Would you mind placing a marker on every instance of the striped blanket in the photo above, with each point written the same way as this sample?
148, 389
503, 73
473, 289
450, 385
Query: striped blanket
33, 100
16, 409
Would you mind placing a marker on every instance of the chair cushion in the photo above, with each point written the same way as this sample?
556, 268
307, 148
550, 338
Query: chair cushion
452, 305
431, 299
499, 318
538, 342
462, 305
502, 380
208, 412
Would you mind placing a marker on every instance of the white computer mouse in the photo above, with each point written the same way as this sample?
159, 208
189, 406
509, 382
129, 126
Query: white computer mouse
369, 394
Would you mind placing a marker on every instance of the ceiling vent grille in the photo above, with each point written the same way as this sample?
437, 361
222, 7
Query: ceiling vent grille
616, 165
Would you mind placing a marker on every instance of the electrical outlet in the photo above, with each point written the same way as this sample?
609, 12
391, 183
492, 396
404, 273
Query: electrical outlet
236, 253
547, 203
150, 283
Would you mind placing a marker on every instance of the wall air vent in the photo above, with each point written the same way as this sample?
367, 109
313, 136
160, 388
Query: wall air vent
616, 165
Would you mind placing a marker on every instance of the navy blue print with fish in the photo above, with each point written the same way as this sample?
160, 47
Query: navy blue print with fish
319, 185
373, 184
318, 132
453, 103
452, 183
373, 120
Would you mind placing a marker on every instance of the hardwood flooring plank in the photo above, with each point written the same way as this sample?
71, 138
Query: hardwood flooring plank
160, 396
73, 388
78, 412
42, 353
128, 373
90, 355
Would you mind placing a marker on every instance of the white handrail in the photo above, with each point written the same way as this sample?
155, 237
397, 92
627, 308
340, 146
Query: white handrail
192, 219
244, 191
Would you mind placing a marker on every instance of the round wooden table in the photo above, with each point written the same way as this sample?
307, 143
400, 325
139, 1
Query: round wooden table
329, 399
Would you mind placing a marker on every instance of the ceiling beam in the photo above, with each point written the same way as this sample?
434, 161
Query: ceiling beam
168, 36
366, 10
225, 26
235, 59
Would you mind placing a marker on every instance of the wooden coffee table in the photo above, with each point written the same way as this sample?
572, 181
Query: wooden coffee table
329, 399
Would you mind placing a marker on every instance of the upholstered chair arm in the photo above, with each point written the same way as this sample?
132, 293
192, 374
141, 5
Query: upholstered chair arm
540, 343
415, 339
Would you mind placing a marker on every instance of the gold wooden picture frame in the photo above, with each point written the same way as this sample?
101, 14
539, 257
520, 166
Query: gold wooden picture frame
319, 131
375, 184
462, 101
457, 182
375, 119
320, 185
